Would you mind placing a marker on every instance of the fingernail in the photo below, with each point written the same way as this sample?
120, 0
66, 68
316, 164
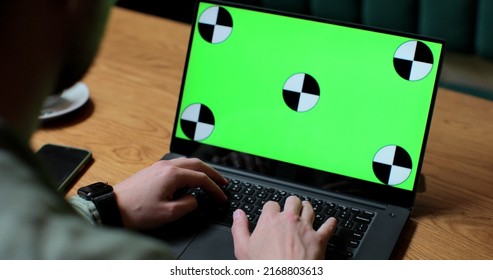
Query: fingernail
236, 214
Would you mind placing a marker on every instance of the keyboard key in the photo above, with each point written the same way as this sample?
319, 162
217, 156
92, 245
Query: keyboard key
361, 219
347, 224
361, 227
367, 214
248, 191
262, 194
350, 234
354, 210
344, 215
247, 208
250, 200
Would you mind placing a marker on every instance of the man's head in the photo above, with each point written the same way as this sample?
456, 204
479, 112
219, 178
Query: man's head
86, 30
45, 47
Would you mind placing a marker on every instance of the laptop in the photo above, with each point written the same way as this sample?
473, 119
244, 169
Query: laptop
285, 104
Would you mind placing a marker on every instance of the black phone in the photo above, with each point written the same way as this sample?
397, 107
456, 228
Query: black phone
64, 164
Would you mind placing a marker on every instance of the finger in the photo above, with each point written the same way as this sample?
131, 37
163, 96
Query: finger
190, 178
293, 205
241, 233
198, 165
307, 213
272, 207
328, 228
269, 210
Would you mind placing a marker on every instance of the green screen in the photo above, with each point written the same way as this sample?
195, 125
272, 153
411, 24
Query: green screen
364, 104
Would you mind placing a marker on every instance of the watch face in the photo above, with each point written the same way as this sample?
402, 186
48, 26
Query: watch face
94, 190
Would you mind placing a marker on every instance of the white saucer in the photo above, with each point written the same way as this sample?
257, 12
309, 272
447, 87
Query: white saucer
69, 101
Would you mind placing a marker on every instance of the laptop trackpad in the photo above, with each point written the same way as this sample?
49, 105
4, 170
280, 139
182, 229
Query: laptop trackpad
213, 243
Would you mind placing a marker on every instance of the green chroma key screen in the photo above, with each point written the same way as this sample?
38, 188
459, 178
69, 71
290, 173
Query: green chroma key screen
334, 98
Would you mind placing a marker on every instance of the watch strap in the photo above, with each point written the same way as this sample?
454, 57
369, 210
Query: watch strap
108, 210
103, 197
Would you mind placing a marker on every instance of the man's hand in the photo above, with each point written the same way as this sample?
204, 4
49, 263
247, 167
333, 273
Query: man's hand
147, 198
282, 235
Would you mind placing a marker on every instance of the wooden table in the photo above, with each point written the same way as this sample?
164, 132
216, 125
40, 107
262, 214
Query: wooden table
134, 86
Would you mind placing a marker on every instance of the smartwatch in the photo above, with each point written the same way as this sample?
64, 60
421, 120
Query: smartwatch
101, 194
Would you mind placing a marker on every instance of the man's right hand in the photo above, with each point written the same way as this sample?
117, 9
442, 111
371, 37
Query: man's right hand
286, 234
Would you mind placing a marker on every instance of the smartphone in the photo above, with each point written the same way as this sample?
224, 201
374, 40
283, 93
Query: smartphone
64, 163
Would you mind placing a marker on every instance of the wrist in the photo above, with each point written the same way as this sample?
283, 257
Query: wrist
103, 197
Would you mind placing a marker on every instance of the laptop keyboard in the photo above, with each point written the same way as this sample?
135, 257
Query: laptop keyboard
352, 222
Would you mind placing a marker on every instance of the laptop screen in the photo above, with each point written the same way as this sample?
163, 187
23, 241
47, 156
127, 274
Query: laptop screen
329, 97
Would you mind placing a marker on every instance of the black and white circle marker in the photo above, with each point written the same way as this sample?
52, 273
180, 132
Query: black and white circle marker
392, 165
301, 92
197, 122
215, 24
413, 60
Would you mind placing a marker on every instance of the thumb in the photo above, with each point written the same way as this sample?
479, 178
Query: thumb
241, 233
